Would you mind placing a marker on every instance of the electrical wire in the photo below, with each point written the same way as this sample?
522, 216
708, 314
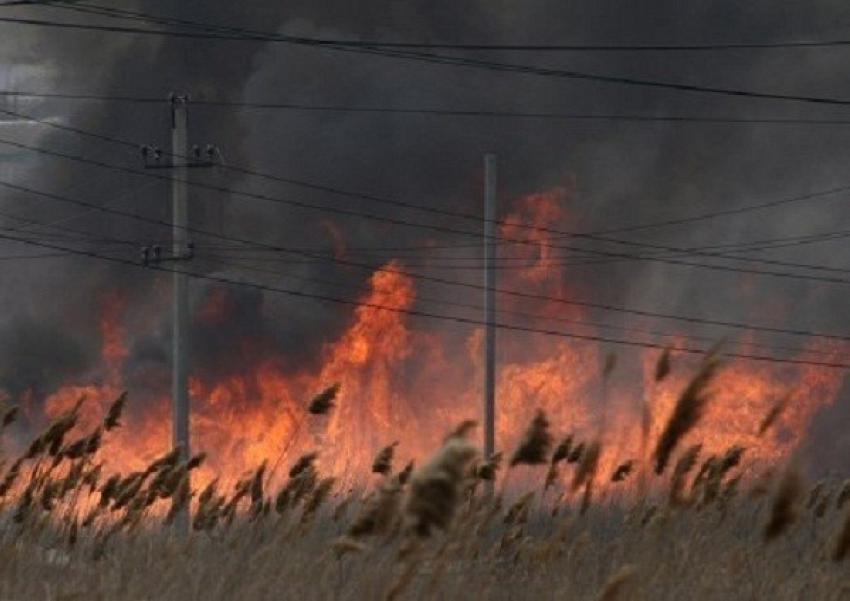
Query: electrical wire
401, 204
429, 315
432, 112
372, 268
442, 229
409, 55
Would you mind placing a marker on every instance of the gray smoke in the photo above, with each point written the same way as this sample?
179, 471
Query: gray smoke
618, 173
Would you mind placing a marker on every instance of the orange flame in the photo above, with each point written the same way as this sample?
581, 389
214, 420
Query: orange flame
414, 384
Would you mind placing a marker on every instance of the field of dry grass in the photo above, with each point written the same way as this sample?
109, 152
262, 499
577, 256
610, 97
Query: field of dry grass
679, 524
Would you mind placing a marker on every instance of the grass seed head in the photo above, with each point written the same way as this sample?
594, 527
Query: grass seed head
623, 471
562, 451
383, 462
841, 544
616, 584
687, 412
113, 415
487, 471
534, 448
662, 366
773, 415
586, 470
784, 509
304, 463
323, 402
9, 416
436, 486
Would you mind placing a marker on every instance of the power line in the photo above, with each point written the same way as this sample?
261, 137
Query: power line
424, 314
443, 229
241, 264
781, 45
437, 280
229, 261
417, 56
136, 16
435, 112
478, 219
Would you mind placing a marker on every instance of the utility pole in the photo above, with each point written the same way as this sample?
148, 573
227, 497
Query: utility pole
180, 291
179, 162
490, 306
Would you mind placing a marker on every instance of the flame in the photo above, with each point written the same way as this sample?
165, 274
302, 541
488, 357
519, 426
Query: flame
413, 382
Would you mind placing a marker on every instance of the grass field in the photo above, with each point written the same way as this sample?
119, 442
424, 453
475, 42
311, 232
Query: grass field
540, 522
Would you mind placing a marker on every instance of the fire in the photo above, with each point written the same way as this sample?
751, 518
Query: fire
414, 381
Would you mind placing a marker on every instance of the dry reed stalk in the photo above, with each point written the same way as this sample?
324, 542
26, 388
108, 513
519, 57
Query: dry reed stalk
463, 430
323, 402
815, 493
196, 461
687, 412
534, 448
113, 414
166, 461
822, 504
706, 469
843, 494
662, 366
404, 475
304, 463
489, 469
577, 453
518, 512
841, 544
208, 493
92, 477
317, 498
255, 489
379, 513
109, 489
551, 476
9, 416
436, 486
684, 465
587, 497
586, 470
785, 507
773, 415
10, 477
562, 451
616, 584
730, 491
383, 462
710, 479
297, 488
623, 471
180, 498
731, 458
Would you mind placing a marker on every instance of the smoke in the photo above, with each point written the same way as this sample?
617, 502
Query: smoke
617, 173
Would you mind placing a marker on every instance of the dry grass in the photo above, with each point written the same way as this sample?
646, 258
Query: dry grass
68, 531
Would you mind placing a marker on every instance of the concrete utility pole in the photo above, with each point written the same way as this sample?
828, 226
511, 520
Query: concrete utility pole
180, 306
490, 306
179, 162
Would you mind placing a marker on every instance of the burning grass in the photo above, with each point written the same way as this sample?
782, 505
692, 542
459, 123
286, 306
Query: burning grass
556, 525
